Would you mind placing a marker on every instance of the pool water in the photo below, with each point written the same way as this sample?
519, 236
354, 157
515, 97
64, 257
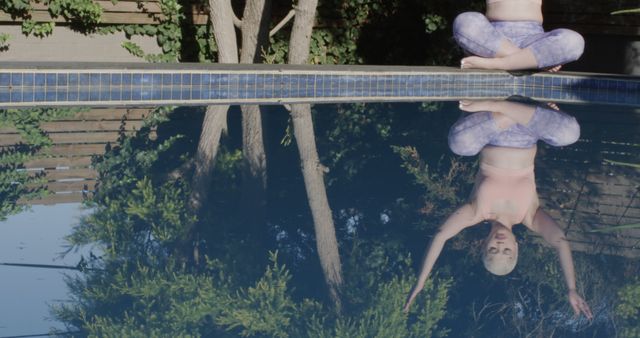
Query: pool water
118, 184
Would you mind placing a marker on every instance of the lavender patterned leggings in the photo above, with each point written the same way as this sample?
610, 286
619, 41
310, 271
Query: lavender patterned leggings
479, 36
470, 134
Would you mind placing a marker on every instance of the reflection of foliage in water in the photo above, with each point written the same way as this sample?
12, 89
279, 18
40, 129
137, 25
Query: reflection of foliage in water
446, 185
136, 207
628, 310
152, 286
150, 283
357, 130
14, 183
371, 262
27, 122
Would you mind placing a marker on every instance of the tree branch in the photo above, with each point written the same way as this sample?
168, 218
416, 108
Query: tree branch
236, 20
282, 22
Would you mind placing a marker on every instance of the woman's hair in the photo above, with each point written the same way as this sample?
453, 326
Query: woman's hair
499, 265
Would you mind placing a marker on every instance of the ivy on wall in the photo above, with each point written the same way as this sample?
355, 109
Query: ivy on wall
168, 33
85, 16
349, 32
4, 41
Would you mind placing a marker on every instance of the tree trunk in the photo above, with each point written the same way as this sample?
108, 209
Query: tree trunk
221, 16
255, 36
312, 171
215, 121
301, 32
326, 241
255, 30
254, 172
213, 126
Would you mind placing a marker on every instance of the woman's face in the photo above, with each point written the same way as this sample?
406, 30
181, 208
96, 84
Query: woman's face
501, 243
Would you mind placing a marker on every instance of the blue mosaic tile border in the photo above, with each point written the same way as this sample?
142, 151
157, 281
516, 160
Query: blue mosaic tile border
155, 87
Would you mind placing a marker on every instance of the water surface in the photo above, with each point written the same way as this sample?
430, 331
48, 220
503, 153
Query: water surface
390, 180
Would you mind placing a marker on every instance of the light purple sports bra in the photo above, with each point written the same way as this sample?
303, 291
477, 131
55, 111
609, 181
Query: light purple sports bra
539, 2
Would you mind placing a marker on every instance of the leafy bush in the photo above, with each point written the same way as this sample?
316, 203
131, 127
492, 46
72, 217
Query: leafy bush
628, 310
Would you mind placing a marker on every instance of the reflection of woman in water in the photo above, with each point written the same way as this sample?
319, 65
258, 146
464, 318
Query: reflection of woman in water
510, 37
505, 134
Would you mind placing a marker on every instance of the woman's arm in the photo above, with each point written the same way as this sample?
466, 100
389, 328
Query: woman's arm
544, 225
462, 218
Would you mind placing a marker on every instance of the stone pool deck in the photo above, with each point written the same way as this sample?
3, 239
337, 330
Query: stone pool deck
25, 84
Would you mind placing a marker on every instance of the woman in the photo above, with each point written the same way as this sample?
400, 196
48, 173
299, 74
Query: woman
505, 134
510, 37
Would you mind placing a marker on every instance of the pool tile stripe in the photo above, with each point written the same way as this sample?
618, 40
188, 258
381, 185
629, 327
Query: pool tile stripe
24, 87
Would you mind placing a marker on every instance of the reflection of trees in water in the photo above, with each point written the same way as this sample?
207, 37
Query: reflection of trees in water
19, 185
16, 185
148, 282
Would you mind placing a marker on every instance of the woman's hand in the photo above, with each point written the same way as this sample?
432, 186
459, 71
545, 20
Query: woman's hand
579, 305
414, 292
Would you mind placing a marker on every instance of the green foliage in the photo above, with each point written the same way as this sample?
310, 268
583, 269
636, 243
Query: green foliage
135, 211
336, 45
277, 50
16, 184
139, 300
338, 39
206, 44
384, 317
133, 48
324, 49
378, 279
265, 309
4, 44
167, 224
147, 285
136, 208
228, 165
17, 8
167, 31
37, 29
27, 122
169, 34
434, 22
628, 310
357, 130
84, 13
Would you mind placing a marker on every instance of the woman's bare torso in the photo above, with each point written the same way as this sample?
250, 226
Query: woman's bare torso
514, 10
510, 159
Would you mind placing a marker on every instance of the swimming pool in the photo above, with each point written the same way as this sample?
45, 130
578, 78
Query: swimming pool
390, 177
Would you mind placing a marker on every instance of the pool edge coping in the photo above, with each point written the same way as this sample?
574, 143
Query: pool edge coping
229, 67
